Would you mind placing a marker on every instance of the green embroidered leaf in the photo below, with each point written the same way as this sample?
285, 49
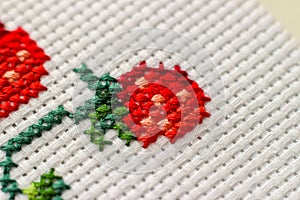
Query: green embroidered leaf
49, 187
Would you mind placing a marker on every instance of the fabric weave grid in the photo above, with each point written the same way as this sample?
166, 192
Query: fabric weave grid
255, 153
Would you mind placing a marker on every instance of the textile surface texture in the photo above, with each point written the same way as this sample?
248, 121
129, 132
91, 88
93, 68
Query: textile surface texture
248, 149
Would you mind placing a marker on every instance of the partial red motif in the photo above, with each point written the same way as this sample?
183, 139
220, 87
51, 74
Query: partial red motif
21, 67
161, 102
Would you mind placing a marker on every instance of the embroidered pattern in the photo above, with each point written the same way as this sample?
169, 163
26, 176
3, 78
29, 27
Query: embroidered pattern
24, 138
104, 110
142, 104
49, 187
161, 102
21, 66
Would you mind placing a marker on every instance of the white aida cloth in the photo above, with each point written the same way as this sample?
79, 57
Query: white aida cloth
250, 151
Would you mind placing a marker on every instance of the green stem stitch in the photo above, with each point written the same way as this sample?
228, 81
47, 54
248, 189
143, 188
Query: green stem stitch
15, 144
87, 75
105, 116
82, 112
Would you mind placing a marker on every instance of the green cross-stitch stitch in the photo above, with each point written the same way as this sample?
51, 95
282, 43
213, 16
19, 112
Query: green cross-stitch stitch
103, 117
15, 144
100, 109
49, 187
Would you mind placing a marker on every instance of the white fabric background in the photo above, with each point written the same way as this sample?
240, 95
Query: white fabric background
256, 152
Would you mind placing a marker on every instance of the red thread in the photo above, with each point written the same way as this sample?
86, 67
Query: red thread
161, 102
21, 67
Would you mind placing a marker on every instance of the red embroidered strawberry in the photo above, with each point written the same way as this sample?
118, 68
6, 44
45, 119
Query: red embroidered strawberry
21, 66
161, 102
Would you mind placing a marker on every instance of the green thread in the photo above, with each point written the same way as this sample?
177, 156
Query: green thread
82, 112
104, 109
97, 137
103, 117
120, 112
49, 187
87, 75
15, 144
124, 133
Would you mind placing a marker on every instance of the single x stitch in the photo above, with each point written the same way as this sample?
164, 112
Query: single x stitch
87, 76
21, 67
15, 144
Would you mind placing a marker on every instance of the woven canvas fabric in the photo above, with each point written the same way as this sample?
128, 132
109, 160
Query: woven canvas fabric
250, 152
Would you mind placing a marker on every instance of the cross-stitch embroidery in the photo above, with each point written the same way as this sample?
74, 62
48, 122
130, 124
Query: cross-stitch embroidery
21, 67
50, 187
15, 144
142, 104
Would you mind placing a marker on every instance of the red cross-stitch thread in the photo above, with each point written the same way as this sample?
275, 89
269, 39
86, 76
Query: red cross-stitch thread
161, 102
21, 66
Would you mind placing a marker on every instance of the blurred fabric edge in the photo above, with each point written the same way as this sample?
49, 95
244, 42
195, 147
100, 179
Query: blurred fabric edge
287, 12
